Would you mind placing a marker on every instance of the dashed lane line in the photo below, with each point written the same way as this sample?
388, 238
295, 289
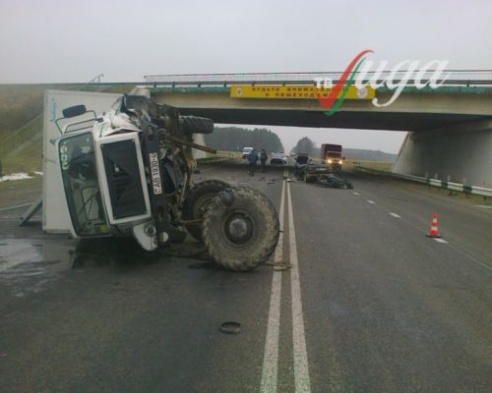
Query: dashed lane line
440, 240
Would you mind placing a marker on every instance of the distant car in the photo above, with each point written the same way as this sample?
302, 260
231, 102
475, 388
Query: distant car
246, 151
278, 159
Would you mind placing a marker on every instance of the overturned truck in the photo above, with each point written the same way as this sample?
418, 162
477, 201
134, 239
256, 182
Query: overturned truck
129, 173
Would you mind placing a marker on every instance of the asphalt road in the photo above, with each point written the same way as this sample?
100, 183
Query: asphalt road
359, 300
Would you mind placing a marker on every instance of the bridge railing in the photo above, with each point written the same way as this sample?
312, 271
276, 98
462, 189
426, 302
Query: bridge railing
454, 77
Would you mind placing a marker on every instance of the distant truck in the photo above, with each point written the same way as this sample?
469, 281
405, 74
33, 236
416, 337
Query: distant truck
332, 155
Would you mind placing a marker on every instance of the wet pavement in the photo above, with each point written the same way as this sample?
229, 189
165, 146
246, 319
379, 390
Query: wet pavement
104, 315
31, 260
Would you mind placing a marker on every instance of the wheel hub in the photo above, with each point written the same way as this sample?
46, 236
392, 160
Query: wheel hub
239, 228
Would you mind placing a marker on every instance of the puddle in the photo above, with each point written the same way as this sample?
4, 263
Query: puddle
22, 254
32, 265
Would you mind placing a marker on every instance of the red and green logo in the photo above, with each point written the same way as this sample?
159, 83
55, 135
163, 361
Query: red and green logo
339, 91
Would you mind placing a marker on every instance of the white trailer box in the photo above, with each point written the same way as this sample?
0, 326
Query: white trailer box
56, 218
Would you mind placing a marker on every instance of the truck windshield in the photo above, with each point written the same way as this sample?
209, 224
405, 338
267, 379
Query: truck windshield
79, 174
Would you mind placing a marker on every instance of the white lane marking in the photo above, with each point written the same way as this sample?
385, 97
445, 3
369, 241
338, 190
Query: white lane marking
356, 193
270, 359
372, 202
15, 207
395, 215
301, 366
439, 240
419, 229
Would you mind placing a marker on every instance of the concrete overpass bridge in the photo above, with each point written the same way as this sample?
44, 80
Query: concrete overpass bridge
450, 127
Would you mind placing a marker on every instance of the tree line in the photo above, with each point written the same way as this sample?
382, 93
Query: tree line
236, 138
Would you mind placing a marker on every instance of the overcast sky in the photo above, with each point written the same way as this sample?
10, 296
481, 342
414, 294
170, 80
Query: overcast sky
73, 41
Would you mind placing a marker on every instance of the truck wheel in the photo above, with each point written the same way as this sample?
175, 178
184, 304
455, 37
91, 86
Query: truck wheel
196, 125
197, 201
240, 228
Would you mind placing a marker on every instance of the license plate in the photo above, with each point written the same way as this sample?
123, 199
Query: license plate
155, 173
320, 169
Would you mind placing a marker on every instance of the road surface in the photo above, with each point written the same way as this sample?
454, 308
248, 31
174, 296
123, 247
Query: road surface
355, 299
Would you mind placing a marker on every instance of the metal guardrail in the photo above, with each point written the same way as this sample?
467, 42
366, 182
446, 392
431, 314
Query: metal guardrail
456, 77
473, 190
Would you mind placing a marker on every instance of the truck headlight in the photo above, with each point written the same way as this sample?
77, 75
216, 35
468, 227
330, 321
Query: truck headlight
328, 161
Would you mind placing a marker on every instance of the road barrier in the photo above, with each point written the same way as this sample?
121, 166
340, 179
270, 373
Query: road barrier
447, 185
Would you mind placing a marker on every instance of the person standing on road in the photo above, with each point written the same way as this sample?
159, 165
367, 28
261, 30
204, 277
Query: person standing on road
252, 158
263, 159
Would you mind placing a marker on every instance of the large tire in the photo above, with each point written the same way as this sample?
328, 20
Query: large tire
240, 228
197, 201
196, 125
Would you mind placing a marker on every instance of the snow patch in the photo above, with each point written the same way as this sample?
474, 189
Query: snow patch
15, 176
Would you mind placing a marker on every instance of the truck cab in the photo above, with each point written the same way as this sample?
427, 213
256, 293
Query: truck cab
332, 156
103, 175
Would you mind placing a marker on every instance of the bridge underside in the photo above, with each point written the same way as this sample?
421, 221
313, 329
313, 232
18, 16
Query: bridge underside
350, 120
450, 133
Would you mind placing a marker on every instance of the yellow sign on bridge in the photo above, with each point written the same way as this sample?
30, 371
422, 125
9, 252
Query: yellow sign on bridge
296, 92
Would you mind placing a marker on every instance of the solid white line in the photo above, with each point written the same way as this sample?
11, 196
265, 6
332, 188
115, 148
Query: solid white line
301, 366
439, 240
15, 207
356, 193
395, 215
270, 359
372, 202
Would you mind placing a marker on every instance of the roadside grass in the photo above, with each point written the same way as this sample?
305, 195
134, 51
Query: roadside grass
20, 192
228, 154
220, 156
20, 104
28, 160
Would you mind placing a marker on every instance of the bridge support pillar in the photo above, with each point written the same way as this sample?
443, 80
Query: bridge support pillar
461, 153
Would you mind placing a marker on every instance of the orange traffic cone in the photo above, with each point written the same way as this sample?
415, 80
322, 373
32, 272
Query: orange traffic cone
434, 231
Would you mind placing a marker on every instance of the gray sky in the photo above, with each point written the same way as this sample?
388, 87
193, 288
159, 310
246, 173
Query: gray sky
73, 41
